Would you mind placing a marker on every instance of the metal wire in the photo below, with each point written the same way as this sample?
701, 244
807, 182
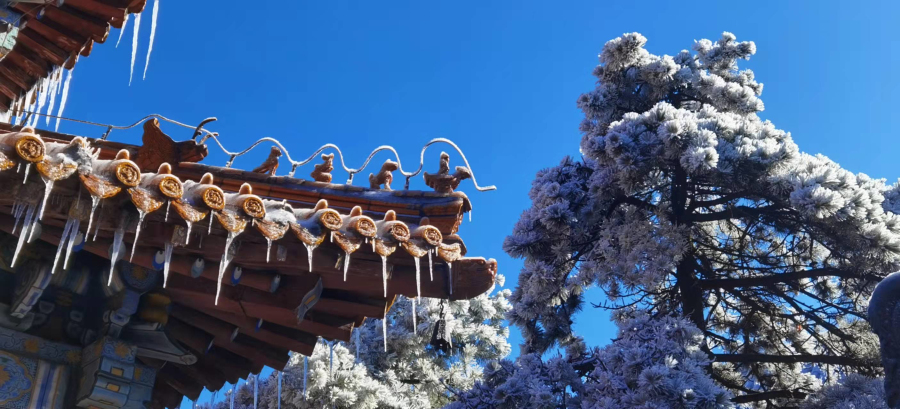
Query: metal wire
294, 164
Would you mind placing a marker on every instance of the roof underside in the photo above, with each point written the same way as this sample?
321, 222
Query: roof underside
52, 36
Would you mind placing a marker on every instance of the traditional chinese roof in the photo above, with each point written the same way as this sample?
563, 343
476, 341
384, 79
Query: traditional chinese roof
307, 258
55, 36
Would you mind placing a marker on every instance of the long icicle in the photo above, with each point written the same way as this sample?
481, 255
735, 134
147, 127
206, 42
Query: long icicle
279, 390
54, 90
167, 256
137, 232
73, 236
65, 97
414, 314
305, 375
134, 45
223, 264
450, 274
346, 264
23, 234
418, 277
430, 266
122, 30
152, 35
48, 187
384, 274
116, 249
62, 243
95, 200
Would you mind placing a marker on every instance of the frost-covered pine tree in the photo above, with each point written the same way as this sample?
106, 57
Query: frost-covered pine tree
410, 374
686, 203
654, 363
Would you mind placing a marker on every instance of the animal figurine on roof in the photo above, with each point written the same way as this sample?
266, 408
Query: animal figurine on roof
322, 173
270, 165
384, 176
443, 181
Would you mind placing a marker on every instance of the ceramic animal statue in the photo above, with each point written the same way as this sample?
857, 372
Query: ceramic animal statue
383, 177
322, 173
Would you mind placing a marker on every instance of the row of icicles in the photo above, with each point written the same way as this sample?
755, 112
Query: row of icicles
195, 201
46, 91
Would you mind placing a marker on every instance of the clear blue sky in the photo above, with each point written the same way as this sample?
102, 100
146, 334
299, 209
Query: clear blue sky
501, 81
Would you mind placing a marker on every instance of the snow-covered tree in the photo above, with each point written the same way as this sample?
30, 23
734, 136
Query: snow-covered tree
853, 392
411, 374
686, 203
654, 363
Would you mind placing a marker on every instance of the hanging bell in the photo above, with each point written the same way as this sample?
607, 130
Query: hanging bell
440, 336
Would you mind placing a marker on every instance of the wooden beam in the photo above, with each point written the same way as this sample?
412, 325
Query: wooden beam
16, 75
195, 339
303, 343
225, 335
165, 396
210, 379
79, 22
66, 39
43, 47
8, 88
34, 67
180, 381
115, 15
225, 357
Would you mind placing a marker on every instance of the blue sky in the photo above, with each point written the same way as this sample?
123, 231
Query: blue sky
500, 81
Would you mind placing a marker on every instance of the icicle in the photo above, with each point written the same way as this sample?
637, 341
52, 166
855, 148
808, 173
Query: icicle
116, 249
346, 264
27, 168
384, 273
95, 200
373, 245
19, 168
122, 30
309, 254
331, 238
96, 232
269, 250
418, 277
305, 374
450, 273
134, 45
330, 356
54, 90
73, 237
42, 100
212, 216
430, 266
255, 390
233, 392
65, 96
152, 35
200, 243
384, 330
470, 215
62, 242
137, 232
187, 236
168, 205
26, 226
18, 214
223, 264
414, 314
279, 390
167, 255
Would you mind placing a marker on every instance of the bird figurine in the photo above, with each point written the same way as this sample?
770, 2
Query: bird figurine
270, 165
